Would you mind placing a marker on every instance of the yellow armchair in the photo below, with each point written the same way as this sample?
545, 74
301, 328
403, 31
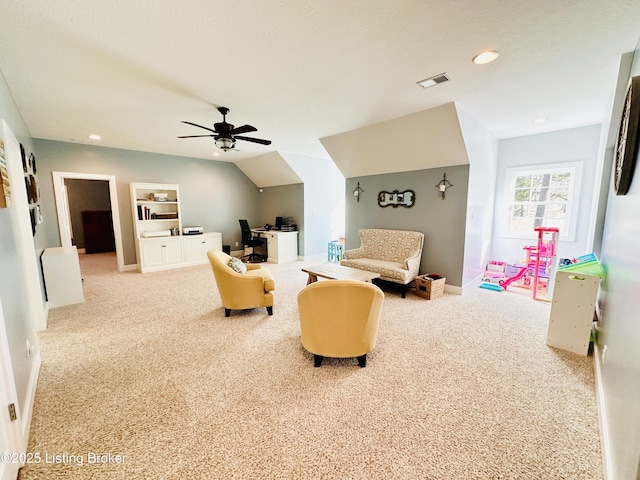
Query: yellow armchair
339, 319
240, 291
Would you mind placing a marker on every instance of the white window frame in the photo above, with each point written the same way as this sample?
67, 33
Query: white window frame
573, 202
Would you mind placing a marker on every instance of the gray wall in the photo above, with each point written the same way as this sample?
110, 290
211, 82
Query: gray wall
578, 144
283, 201
85, 195
213, 194
618, 338
441, 221
12, 294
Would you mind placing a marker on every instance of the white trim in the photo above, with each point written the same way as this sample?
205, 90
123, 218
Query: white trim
602, 415
27, 412
62, 208
9, 431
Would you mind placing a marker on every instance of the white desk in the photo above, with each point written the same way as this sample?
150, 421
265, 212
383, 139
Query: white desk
282, 247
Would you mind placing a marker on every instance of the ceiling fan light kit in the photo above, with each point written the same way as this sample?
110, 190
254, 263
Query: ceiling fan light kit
225, 134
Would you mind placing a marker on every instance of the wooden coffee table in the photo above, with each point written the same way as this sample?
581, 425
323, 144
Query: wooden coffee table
334, 271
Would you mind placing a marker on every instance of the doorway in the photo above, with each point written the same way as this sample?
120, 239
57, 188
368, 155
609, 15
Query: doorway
64, 212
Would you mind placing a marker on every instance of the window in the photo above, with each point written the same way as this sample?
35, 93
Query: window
542, 196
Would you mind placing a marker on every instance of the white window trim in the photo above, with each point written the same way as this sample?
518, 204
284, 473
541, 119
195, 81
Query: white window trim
572, 206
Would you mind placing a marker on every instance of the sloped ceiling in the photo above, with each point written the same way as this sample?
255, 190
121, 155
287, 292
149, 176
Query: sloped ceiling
268, 170
427, 139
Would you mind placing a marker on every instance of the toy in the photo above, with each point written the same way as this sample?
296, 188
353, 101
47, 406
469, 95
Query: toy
539, 265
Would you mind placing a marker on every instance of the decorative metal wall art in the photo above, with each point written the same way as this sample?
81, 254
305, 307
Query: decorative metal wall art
397, 199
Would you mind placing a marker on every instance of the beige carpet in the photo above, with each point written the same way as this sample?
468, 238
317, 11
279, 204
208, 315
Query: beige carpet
148, 367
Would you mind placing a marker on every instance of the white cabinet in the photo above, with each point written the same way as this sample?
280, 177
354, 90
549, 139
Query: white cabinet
572, 312
62, 277
282, 247
197, 246
157, 225
160, 253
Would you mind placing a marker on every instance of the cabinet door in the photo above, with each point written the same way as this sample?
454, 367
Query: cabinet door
193, 249
172, 252
272, 247
159, 252
196, 248
151, 253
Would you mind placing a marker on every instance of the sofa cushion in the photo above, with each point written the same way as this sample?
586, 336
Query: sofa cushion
237, 266
390, 271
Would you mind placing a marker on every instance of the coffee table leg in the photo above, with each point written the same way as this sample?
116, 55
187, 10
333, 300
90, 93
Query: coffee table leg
312, 278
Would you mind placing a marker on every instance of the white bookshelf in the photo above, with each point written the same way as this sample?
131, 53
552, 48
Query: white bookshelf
157, 222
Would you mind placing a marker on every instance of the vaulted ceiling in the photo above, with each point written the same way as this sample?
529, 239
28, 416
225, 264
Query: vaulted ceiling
302, 70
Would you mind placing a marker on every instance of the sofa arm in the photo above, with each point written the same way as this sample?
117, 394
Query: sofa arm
354, 253
413, 265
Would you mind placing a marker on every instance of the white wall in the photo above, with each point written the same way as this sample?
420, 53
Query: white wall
577, 144
323, 201
482, 150
618, 338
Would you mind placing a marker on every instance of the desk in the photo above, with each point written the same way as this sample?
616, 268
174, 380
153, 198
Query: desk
282, 246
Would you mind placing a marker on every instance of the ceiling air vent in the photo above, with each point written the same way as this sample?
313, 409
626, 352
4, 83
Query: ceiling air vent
435, 80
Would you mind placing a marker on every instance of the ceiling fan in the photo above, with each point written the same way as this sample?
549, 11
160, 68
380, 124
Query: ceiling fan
225, 134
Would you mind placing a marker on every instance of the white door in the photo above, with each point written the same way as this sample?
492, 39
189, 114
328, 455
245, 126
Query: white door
10, 448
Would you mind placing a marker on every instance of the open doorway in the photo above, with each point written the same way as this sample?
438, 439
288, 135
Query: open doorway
65, 221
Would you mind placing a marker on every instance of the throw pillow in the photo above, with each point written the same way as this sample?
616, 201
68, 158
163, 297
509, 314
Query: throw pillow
237, 266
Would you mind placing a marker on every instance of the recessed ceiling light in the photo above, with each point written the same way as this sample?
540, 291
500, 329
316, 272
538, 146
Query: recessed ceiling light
93, 136
539, 120
216, 154
485, 57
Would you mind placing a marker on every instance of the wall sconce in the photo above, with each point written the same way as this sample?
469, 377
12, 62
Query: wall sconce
443, 185
357, 191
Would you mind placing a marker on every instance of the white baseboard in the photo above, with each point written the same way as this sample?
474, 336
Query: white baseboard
130, 268
452, 289
602, 414
27, 412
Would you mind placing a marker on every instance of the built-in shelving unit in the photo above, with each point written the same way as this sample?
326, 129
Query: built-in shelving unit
160, 244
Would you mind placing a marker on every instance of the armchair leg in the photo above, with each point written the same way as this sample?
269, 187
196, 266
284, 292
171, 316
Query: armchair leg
362, 360
227, 312
317, 360
270, 310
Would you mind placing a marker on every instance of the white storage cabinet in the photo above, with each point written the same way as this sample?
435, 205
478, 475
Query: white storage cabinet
157, 222
282, 247
62, 277
572, 312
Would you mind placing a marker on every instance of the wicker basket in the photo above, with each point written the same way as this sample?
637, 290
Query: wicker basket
430, 286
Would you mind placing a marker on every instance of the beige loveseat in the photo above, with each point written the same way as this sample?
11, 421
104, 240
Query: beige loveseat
394, 254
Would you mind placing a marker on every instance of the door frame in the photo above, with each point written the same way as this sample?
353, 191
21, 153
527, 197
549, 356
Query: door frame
10, 439
62, 207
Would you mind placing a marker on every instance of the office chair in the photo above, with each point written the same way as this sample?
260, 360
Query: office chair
249, 242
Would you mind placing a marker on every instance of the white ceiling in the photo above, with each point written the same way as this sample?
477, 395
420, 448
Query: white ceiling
301, 70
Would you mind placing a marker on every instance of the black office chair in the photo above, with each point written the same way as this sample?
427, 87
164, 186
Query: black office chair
249, 242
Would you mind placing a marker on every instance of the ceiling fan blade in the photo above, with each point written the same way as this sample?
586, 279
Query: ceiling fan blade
196, 136
254, 140
199, 126
243, 129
